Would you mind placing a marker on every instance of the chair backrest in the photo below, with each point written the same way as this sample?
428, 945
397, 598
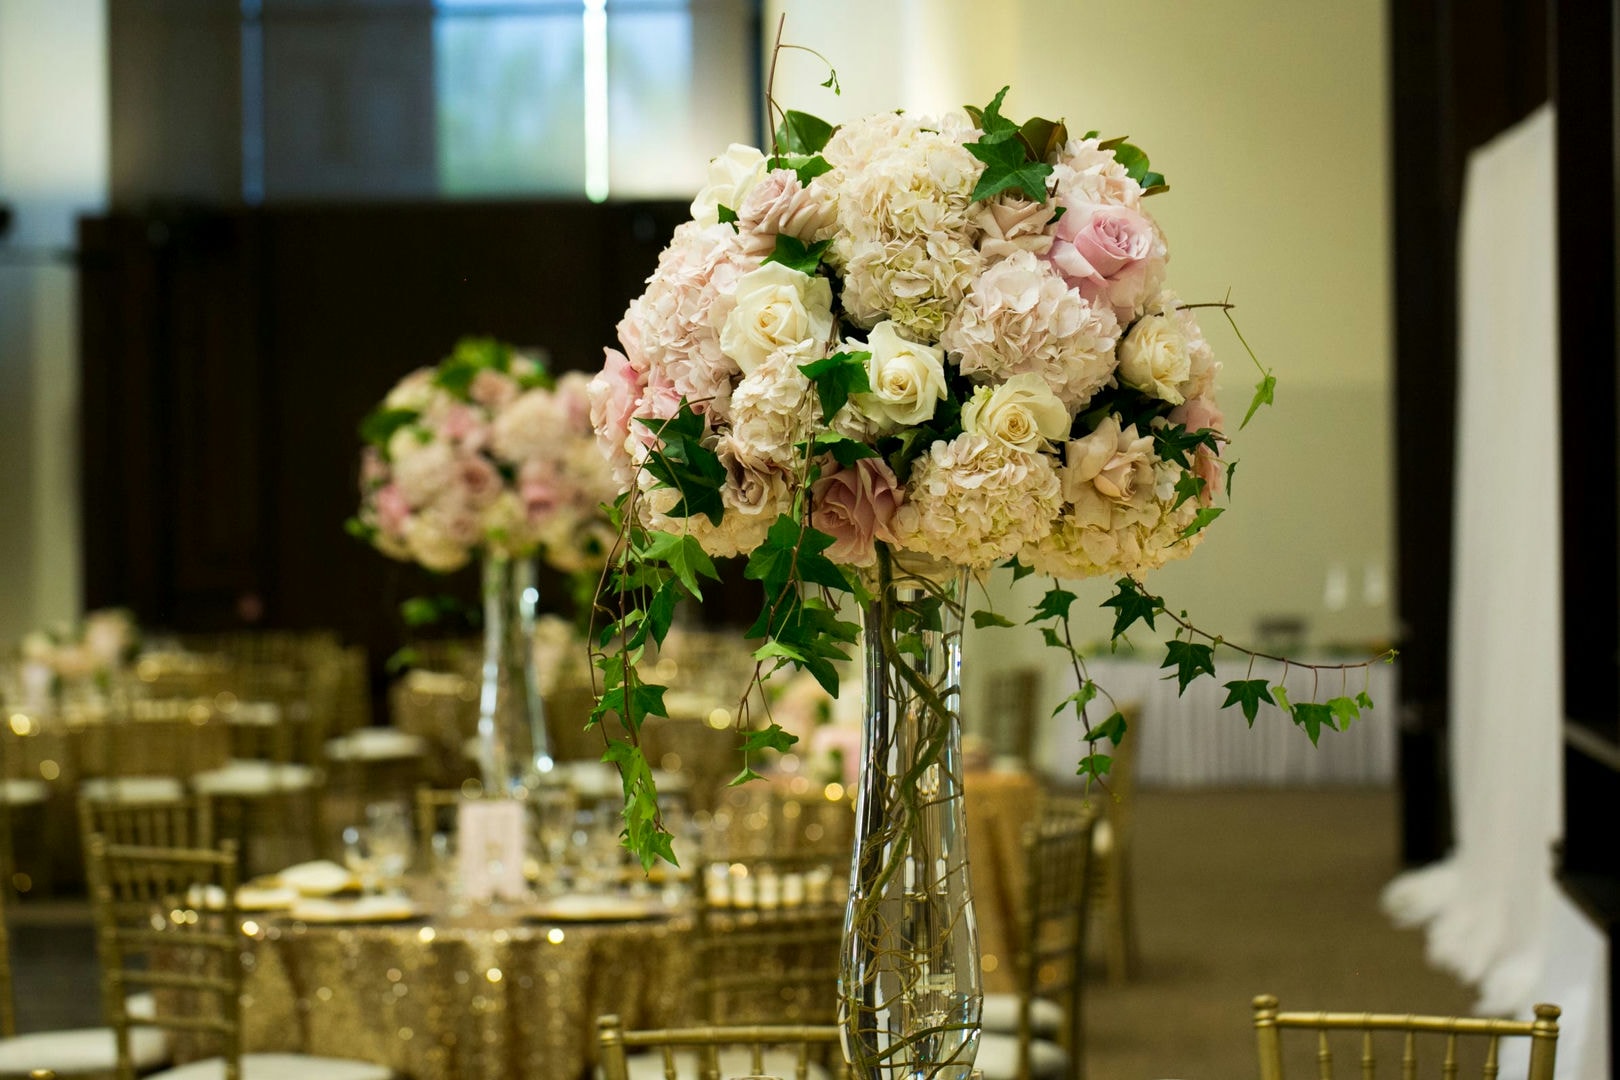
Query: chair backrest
164, 823
1052, 934
166, 919
1269, 1022
808, 1042
1013, 698
767, 941
433, 807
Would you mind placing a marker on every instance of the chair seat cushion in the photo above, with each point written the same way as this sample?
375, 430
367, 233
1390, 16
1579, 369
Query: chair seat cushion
734, 1061
998, 1058
1001, 1016
133, 789
376, 744
249, 778
23, 792
280, 1067
80, 1051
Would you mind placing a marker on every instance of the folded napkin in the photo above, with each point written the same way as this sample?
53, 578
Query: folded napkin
319, 878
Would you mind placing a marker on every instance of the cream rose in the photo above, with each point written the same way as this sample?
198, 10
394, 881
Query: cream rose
1022, 413
1154, 358
777, 308
907, 379
731, 176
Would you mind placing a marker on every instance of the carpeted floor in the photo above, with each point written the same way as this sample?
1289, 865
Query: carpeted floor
1241, 893
1238, 893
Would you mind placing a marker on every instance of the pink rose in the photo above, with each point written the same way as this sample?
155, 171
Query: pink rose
779, 204
373, 469
856, 507
1196, 414
462, 424
492, 390
477, 480
1112, 254
392, 509
614, 394
540, 487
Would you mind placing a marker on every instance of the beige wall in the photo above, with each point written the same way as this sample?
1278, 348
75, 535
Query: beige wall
1269, 119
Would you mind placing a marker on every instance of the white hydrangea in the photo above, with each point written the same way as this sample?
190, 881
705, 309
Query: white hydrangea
1021, 317
773, 407
973, 502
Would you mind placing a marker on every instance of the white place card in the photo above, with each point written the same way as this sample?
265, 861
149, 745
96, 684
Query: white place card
490, 838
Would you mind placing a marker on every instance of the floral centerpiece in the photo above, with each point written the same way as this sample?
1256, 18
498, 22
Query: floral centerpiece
879, 359
103, 643
489, 455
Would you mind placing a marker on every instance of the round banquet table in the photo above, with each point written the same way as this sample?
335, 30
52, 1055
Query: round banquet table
480, 994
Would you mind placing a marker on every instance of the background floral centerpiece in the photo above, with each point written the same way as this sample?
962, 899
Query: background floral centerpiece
488, 455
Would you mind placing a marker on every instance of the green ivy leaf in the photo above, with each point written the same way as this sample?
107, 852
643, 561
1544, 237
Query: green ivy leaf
682, 462
1345, 712
685, 556
1190, 659
801, 133
727, 215
1201, 520
1079, 699
380, 425
1112, 729
1007, 167
989, 119
1131, 604
1054, 605
837, 377
1364, 701
1095, 766
1280, 694
1247, 694
1189, 486
982, 619
806, 168
794, 254
1019, 570
747, 775
774, 737
1313, 718
661, 612
1264, 391
1174, 443
1231, 471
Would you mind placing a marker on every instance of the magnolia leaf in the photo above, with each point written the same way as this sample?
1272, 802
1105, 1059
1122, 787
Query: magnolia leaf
1264, 391
801, 133
982, 619
844, 450
1247, 694
1190, 659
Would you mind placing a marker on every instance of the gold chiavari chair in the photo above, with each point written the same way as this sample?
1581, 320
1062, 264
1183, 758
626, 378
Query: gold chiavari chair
166, 918
435, 814
714, 1053
1038, 1032
1270, 1021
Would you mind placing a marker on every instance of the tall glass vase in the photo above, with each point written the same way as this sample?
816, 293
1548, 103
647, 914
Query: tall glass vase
513, 751
910, 993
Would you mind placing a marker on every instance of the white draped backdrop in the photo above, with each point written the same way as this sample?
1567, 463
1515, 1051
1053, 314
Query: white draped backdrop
1492, 910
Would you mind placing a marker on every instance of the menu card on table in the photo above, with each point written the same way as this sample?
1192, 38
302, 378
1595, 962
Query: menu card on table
490, 834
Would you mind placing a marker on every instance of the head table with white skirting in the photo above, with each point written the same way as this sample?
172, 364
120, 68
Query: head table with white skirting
1188, 740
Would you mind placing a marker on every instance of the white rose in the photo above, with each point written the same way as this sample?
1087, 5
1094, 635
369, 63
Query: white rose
1154, 358
907, 379
415, 391
777, 308
1021, 413
731, 176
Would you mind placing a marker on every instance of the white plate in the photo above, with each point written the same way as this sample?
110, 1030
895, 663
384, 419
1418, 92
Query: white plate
595, 909
367, 909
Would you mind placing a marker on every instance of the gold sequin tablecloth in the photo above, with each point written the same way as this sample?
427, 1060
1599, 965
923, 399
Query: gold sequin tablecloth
480, 995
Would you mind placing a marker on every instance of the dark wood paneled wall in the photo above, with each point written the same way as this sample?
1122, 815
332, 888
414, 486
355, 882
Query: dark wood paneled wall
1461, 71
229, 355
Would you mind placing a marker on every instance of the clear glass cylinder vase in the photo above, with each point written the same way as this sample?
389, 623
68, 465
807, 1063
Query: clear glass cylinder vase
910, 993
514, 753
